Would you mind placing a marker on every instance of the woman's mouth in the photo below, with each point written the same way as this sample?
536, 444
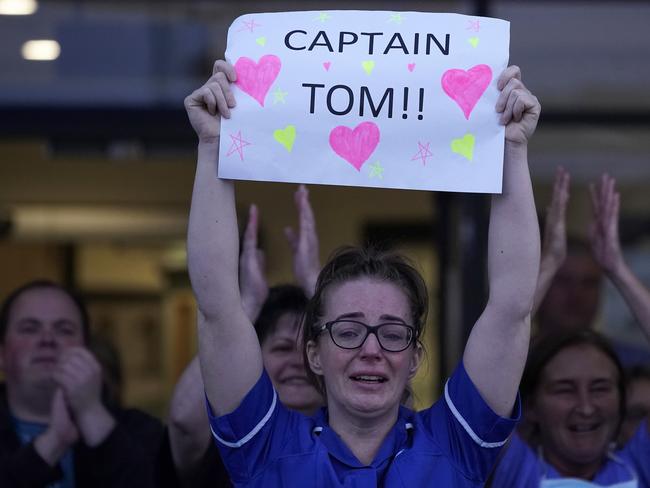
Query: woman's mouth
368, 379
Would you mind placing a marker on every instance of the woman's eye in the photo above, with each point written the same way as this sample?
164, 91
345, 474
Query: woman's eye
348, 333
393, 337
602, 389
28, 329
562, 391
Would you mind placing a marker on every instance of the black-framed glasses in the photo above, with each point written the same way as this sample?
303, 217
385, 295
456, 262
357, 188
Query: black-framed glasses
351, 334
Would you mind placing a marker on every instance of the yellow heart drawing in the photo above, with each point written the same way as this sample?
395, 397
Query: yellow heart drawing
261, 41
368, 66
286, 136
464, 146
473, 41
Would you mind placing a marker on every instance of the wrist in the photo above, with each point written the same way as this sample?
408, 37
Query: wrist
516, 148
51, 446
210, 144
95, 424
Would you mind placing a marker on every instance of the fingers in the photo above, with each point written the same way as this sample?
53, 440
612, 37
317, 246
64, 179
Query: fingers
561, 189
77, 367
515, 101
511, 72
305, 213
261, 259
215, 95
292, 238
202, 97
250, 234
221, 66
605, 202
604, 196
610, 203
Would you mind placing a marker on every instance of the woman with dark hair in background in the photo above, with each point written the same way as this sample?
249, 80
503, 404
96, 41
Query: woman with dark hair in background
573, 392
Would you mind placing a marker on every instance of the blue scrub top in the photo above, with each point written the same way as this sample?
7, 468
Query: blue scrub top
522, 467
452, 444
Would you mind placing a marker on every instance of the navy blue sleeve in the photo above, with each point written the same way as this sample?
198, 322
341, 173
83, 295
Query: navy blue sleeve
467, 429
637, 450
255, 433
518, 465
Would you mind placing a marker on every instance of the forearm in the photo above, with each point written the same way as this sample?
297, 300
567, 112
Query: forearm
229, 352
548, 267
252, 307
513, 241
95, 425
496, 350
213, 242
189, 434
635, 294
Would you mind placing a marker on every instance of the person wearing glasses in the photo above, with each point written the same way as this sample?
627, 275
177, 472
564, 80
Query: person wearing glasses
361, 335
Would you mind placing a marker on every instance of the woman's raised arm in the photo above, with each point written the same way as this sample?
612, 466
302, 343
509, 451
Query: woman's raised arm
229, 352
496, 350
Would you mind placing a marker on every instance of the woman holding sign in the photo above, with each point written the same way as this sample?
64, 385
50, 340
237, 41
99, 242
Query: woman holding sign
361, 338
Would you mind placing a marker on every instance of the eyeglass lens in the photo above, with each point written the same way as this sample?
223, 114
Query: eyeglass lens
351, 334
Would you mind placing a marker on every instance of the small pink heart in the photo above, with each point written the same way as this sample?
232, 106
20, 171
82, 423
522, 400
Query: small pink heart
467, 87
411, 67
355, 146
327, 65
256, 78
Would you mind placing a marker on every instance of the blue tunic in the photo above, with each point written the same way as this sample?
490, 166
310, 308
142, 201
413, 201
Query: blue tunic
522, 467
452, 444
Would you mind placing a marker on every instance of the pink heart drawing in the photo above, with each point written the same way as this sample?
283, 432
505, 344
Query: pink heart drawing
256, 78
355, 146
411, 67
327, 65
466, 87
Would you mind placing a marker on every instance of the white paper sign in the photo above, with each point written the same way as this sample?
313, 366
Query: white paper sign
359, 98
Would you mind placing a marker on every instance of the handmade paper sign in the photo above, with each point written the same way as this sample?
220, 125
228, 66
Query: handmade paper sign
379, 99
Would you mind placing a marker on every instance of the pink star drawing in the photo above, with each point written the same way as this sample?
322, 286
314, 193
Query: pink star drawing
249, 25
238, 145
473, 25
423, 153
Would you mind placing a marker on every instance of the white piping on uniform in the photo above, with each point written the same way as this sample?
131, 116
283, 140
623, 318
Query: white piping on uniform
465, 425
252, 433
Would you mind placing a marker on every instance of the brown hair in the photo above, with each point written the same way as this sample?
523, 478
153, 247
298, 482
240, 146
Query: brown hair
548, 346
349, 263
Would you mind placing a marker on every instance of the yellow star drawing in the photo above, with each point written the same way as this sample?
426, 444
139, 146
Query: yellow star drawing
279, 96
376, 170
323, 17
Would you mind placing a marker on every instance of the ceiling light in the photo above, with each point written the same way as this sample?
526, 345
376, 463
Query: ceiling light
18, 7
41, 50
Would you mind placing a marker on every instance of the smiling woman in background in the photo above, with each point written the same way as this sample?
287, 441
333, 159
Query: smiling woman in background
574, 399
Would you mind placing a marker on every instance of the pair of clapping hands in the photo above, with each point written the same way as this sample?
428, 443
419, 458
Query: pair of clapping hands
304, 247
76, 409
603, 230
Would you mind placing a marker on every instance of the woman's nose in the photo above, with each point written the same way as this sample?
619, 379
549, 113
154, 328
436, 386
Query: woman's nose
371, 346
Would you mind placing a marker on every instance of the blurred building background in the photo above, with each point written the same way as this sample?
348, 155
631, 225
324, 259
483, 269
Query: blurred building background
97, 162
